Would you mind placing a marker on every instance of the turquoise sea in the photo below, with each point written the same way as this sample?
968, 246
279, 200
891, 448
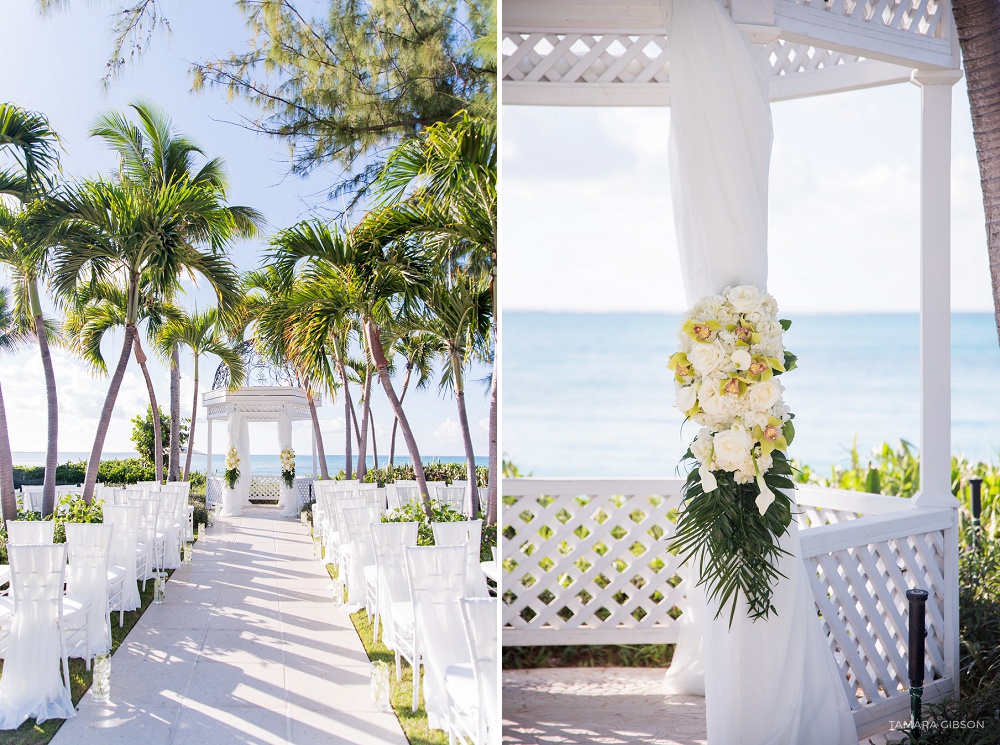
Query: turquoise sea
261, 465
590, 395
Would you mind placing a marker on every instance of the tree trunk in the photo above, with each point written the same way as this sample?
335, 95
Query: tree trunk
491, 510
105, 421
175, 413
140, 357
374, 441
52, 404
363, 439
8, 500
463, 420
382, 365
978, 24
317, 433
194, 418
348, 465
395, 421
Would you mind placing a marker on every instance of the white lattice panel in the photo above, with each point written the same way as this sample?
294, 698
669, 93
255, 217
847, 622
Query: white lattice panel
919, 17
214, 490
265, 487
586, 569
303, 487
861, 594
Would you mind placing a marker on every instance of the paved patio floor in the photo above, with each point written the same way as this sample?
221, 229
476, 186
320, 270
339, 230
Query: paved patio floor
605, 706
247, 649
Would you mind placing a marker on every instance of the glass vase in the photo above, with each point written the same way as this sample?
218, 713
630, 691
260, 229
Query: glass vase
101, 689
160, 589
380, 685
188, 552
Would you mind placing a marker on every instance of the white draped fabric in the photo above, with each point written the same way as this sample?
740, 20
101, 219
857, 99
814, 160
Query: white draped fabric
89, 548
768, 682
31, 685
289, 502
232, 500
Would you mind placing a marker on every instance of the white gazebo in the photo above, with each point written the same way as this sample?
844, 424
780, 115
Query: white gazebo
600, 574
271, 395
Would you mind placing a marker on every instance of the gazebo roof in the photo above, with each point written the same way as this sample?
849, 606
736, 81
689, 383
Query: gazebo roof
259, 403
613, 53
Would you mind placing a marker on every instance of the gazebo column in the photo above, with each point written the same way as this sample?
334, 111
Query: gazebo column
208, 451
935, 286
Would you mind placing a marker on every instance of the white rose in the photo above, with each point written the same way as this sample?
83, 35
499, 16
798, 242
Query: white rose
741, 358
707, 358
687, 398
710, 399
745, 298
732, 448
762, 396
701, 448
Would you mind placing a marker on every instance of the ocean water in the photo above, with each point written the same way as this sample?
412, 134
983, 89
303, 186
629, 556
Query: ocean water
590, 395
261, 465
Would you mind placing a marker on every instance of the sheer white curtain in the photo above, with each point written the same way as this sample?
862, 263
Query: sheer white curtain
289, 502
768, 682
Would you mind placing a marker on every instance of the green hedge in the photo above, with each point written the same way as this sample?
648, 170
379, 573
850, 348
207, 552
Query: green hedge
112, 471
433, 471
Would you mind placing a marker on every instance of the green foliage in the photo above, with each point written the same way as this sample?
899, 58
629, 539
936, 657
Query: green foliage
125, 471
413, 512
66, 473
511, 471
143, 438
434, 471
610, 655
71, 509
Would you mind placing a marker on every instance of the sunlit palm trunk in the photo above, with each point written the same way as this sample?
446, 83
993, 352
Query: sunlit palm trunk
374, 441
363, 438
348, 465
194, 419
8, 500
175, 413
317, 433
382, 365
395, 422
491, 509
463, 420
978, 23
140, 357
52, 405
105, 421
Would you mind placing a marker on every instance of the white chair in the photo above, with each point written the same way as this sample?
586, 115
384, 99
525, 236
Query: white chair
358, 562
31, 498
437, 584
453, 496
393, 607
149, 549
123, 546
31, 685
167, 524
30, 532
402, 495
467, 533
473, 688
335, 540
89, 548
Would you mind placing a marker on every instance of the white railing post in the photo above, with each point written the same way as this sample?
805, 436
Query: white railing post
208, 451
935, 286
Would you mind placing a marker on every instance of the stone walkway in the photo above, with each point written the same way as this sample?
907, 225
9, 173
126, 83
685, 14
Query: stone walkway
247, 649
609, 706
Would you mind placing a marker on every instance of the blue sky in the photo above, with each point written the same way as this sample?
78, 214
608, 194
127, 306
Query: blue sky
55, 65
587, 224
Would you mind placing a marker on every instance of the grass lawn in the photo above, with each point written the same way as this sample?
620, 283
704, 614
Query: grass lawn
414, 723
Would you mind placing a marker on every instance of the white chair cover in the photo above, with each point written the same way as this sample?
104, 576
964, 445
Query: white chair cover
31, 498
357, 524
437, 583
468, 533
126, 536
453, 496
31, 685
148, 520
403, 495
30, 532
167, 524
89, 548
481, 628
389, 541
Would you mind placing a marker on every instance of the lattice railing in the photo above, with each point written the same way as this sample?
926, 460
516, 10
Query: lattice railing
586, 563
921, 17
303, 487
215, 488
265, 487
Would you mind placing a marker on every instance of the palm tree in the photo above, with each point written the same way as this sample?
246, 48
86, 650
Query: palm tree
441, 187
362, 375
154, 154
419, 350
11, 337
459, 317
275, 320
34, 146
380, 280
120, 231
102, 306
201, 333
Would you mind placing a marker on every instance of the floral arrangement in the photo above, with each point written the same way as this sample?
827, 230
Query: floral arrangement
288, 467
734, 511
232, 467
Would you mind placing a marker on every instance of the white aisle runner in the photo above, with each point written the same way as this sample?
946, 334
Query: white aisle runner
247, 649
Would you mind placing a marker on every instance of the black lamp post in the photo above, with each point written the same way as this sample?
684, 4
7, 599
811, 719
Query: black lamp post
977, 508
918, 632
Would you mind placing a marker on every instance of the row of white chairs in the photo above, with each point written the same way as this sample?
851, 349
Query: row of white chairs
399, 493
387, 574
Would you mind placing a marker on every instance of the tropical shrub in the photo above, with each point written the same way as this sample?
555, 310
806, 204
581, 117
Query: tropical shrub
71, 509
143, 437
435, 471
413, 512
